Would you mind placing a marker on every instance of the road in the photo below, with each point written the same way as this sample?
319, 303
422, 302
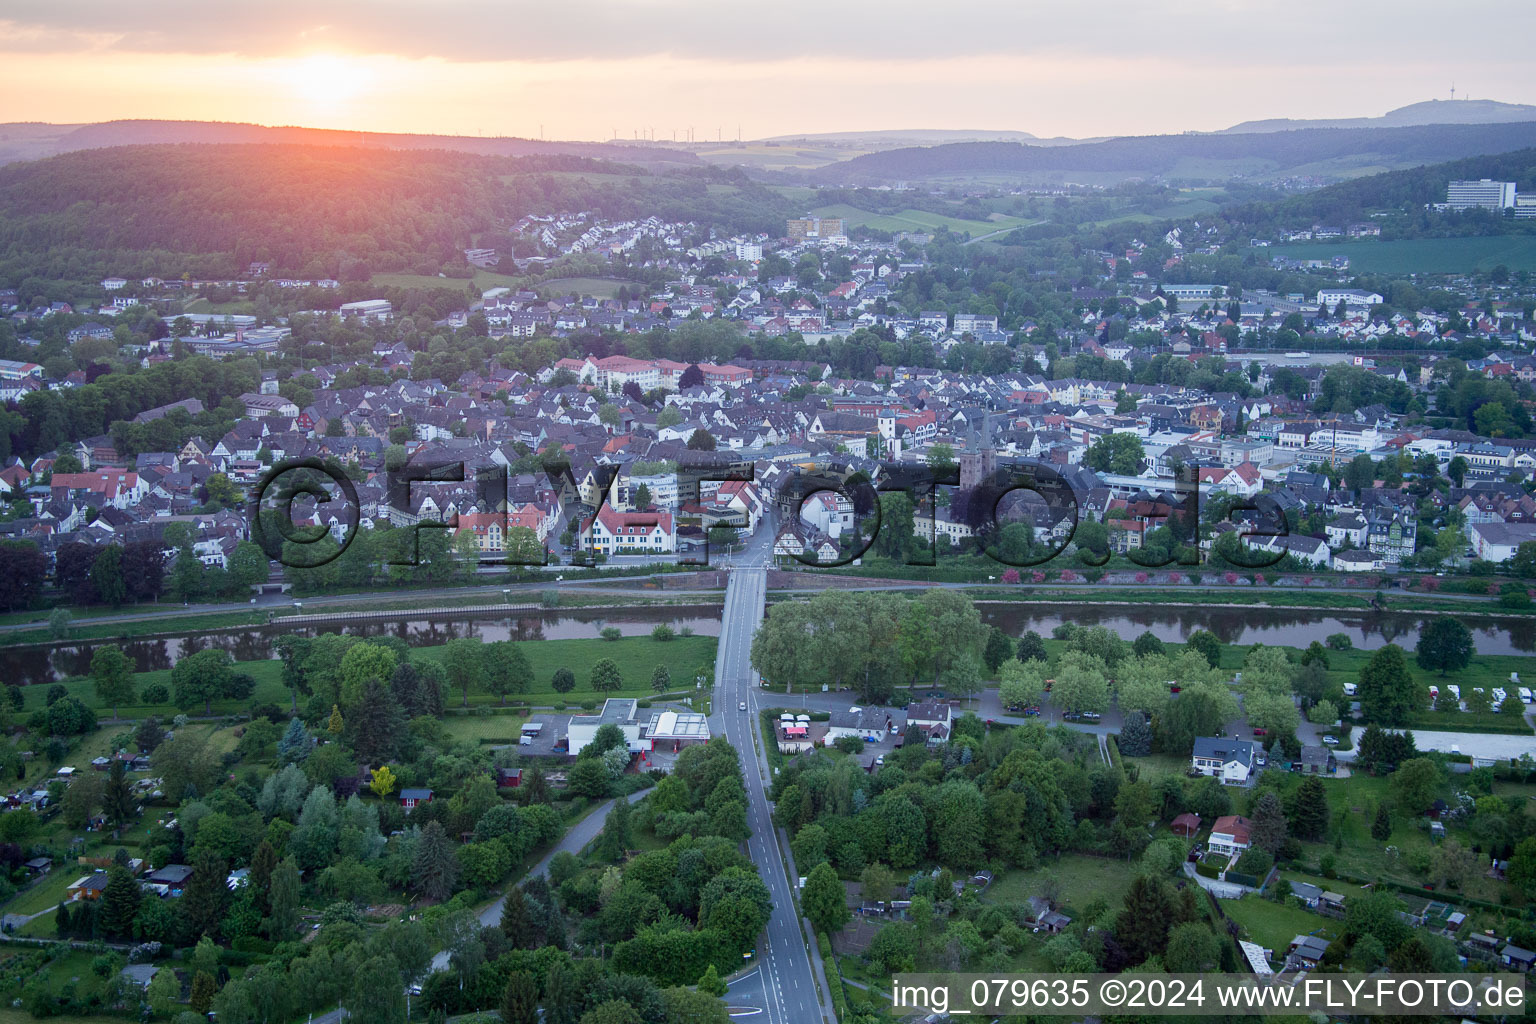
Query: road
785, 978
574, 841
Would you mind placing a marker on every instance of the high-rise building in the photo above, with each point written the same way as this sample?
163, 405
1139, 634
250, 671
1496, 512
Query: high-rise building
1483, 194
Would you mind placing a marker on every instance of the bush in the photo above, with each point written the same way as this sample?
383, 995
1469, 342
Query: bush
1339, 642
550, 598
1255, 862
611, 633
849, 744
155, 693
663, 632
834, 977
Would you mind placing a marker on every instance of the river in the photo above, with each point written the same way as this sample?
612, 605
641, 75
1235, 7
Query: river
45, 663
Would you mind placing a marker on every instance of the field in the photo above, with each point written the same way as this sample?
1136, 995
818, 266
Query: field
636, 656
1273, 925
599, 287
1423, 255
920, 220
483, 280
1083, 879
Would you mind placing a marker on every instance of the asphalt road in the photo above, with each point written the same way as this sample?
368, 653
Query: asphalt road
784, 979
574, 841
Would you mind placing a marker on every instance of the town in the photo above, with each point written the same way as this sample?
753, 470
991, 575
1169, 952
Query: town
627, 619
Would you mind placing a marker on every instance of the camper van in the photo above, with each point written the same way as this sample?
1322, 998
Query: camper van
1350, 689
1525, 694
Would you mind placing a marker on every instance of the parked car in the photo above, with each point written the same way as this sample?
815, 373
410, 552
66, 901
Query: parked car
1092, 716
1031, 712
1330, 741
1261, 732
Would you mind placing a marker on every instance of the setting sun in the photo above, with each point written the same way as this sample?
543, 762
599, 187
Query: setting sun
326, 80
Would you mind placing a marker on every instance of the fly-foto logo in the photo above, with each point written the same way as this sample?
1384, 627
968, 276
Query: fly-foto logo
306, 512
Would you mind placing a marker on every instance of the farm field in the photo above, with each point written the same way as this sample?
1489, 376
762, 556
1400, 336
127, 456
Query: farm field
1423, 255
919, 220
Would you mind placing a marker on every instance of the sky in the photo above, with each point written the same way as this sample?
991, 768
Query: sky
598, 69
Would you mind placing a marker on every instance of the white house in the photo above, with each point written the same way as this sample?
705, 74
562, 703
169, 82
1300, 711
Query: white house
613, 532
865, 723
1230, 834
1229, 760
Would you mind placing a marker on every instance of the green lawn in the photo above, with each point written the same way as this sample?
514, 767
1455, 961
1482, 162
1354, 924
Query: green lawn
483, 280
269, 689
1422, 255
599, 287
636, 656
1274, 925
1082, 880
48, 892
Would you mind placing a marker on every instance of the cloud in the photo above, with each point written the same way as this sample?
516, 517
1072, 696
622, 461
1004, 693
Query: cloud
1218, 32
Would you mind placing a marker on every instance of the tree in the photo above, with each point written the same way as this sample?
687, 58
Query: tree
463, 662
248, 565
1444, 645
823, 900
201, 677
998, 650
691, 377
203, 990
1032, 647
1415, 783
1146, 644
119, 902
564, 680
435, 867
1022, 684
1269, 828
1119, 453
606, 676
520, 999
711, 984
383, 782
1309, 809
1135, 736
163, 993
1324, 712
941, 458
507, 669
107, 576
1388, 694
112, 672
1457, 470
661, 679
611, 1011
117, 799
376, 995
1192, 948
285, 900
1381, 826
701, 440
1207, 644
1142, 925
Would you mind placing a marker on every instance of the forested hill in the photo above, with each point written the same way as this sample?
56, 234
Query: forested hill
212, 209
1270, 154
1406, 191
34, 141
314, 211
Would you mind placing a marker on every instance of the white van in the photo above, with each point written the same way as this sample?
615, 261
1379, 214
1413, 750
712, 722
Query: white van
1350, 689
1525, 694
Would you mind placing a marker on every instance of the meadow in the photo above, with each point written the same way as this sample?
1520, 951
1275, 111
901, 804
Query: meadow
1423, 255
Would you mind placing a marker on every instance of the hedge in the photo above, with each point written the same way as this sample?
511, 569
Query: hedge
834, 977
1208, 870
1238, 878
